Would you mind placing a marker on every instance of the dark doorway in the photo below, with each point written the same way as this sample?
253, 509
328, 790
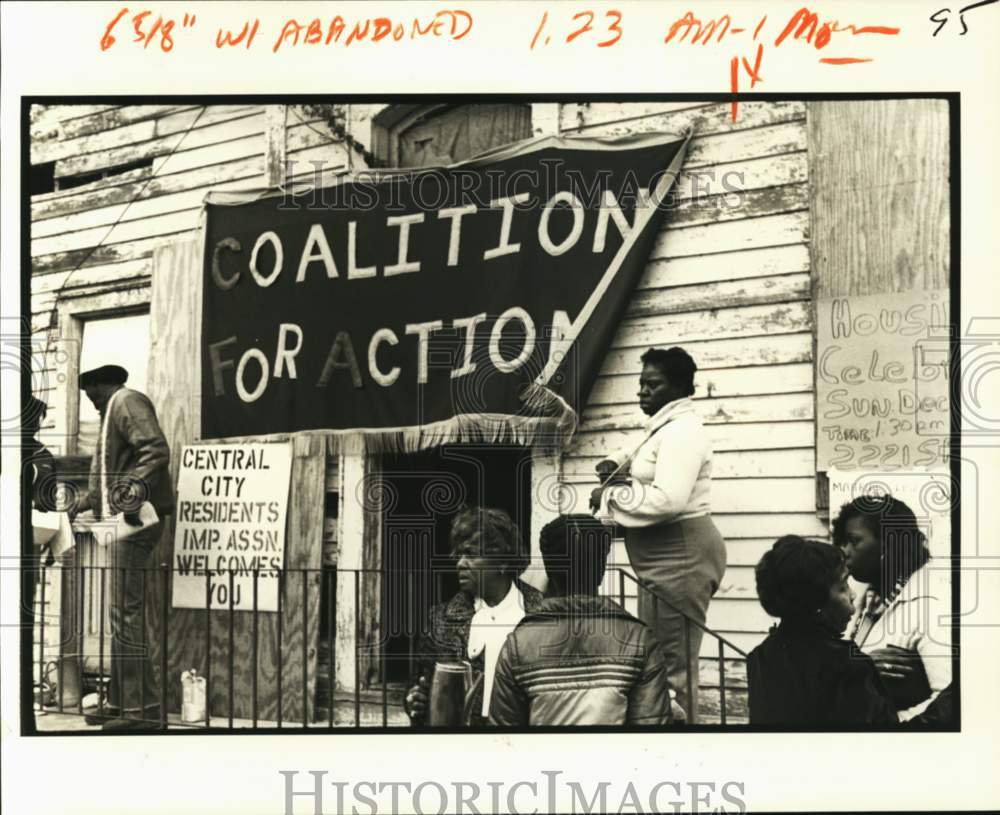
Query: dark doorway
421, 494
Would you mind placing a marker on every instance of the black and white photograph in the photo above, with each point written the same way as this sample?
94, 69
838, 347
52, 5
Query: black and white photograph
476, 414
594, 446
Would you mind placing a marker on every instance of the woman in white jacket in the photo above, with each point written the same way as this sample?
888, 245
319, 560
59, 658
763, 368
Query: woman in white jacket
902, 619
658, 490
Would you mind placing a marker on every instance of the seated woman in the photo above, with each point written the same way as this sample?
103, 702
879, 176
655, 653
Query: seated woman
804, 673
901, 619
473, 625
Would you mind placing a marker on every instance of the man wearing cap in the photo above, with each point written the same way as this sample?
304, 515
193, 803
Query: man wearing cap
129, 468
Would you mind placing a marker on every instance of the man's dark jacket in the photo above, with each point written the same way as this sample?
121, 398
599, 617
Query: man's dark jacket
137, 458
580, 660
802, 674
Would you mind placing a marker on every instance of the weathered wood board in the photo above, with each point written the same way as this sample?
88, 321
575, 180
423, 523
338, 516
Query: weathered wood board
212, 641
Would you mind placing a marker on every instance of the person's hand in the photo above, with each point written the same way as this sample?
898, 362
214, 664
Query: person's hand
895, 663
595, 498
132, 518
903, 675
604, 469
416, 699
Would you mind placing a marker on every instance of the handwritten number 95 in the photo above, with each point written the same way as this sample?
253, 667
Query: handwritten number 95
612, 24
942, 15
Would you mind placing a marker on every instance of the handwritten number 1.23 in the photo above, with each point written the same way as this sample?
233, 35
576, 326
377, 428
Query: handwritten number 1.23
585, 22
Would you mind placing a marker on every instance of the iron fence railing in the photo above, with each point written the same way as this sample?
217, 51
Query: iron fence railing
334, 654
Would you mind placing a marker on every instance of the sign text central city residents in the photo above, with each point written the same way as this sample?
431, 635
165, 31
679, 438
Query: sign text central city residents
232, 501
450, 304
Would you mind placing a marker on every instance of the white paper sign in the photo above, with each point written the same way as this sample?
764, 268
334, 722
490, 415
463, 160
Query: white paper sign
882, 398
232, 502
928, 494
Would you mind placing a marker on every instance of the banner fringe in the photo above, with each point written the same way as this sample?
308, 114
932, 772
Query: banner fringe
524, 431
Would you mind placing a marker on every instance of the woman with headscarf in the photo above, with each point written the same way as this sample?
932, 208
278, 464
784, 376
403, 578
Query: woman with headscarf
472, 626
901, 618
658, 490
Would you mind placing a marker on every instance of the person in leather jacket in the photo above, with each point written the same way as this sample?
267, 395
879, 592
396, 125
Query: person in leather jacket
579, 659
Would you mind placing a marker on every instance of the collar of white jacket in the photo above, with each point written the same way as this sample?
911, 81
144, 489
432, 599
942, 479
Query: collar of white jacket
669, 411
488, 632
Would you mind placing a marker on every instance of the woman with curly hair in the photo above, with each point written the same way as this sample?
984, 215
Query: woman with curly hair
490, 556
900, 619
804, 673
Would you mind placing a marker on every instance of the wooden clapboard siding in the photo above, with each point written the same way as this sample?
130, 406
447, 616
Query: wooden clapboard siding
171, 192
736, 464
100, 237
97, 242
103, 120
775, 408
109, 139
706, 119
730, 280
769, 524
741, 495
188, 131
736, 321
709, 296
738, 176
734, 236
585, 117
788, 378
749, 436
730, 352
696, 269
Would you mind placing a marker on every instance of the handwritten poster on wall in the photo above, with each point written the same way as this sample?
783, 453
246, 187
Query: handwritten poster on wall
232, 501
882, 381
928, 494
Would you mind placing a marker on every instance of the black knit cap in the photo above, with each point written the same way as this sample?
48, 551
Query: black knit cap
105, 375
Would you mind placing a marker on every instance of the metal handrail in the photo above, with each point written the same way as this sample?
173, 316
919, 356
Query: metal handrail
375, 654
648, 587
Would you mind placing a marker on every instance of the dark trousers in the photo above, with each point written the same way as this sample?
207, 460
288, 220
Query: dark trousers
682, 562
132, 688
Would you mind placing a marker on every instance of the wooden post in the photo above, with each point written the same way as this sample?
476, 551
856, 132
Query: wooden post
275, 144
547, 501
174, 387
349, 559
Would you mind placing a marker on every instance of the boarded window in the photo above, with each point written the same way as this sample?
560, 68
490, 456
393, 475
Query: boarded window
444, 135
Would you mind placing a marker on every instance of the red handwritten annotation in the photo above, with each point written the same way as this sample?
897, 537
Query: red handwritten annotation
804, 25
598, 29
446, 24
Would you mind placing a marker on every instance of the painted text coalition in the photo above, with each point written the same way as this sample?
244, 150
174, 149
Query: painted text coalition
315, 260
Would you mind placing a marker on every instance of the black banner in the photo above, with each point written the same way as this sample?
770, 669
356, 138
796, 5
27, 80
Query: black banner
463, 303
